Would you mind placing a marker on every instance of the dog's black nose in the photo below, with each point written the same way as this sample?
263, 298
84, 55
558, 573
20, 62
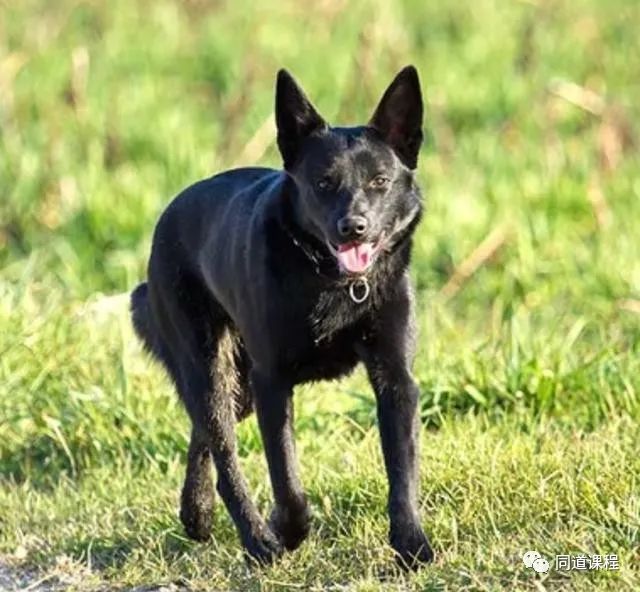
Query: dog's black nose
352, 226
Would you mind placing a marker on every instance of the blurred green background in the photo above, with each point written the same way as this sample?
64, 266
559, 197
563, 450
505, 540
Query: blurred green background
527, 267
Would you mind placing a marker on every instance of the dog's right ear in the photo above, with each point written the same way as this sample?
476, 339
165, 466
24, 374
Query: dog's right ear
398, 117
296, 117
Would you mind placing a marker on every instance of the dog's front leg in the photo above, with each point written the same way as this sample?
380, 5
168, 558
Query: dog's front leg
397, 396
387, 354
274, 406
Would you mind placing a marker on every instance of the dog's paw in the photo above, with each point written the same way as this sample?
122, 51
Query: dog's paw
197, 521
291, 525
196, 514
412, 547
263, 547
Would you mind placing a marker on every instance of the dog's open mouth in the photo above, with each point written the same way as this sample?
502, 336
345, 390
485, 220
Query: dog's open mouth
355, 257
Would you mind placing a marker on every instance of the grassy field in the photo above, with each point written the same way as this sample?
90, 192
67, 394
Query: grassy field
527, 267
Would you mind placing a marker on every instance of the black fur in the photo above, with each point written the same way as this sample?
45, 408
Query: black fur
245, 299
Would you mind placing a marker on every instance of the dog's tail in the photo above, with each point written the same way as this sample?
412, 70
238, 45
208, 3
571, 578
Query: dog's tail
141, 319
145, 328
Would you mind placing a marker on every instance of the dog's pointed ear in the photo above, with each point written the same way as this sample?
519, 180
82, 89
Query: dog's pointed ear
398, 117
296, 117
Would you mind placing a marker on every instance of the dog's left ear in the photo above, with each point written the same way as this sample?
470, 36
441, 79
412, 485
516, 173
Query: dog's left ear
296, 117
398, 116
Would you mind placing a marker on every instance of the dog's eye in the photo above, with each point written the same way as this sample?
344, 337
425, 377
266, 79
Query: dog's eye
325, 183
378, 182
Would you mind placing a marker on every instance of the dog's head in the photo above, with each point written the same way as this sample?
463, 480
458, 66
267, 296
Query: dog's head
356, 191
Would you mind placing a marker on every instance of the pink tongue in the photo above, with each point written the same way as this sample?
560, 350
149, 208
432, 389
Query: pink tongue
355, 257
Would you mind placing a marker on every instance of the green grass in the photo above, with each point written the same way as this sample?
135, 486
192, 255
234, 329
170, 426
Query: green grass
530, 372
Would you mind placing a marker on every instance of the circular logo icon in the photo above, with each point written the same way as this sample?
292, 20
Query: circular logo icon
529, 557
540, 565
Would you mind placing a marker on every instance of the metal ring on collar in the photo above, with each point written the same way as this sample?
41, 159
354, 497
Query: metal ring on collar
352, 290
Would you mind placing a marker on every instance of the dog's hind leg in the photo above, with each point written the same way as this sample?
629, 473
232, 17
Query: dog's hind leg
221, 412
201, 346
212, 411
196, 507
207, 388
198, 496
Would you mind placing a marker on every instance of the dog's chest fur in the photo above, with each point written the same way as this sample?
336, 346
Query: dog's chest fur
333, 312
330, 327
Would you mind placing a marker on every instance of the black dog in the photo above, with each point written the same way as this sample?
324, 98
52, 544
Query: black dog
262, 279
